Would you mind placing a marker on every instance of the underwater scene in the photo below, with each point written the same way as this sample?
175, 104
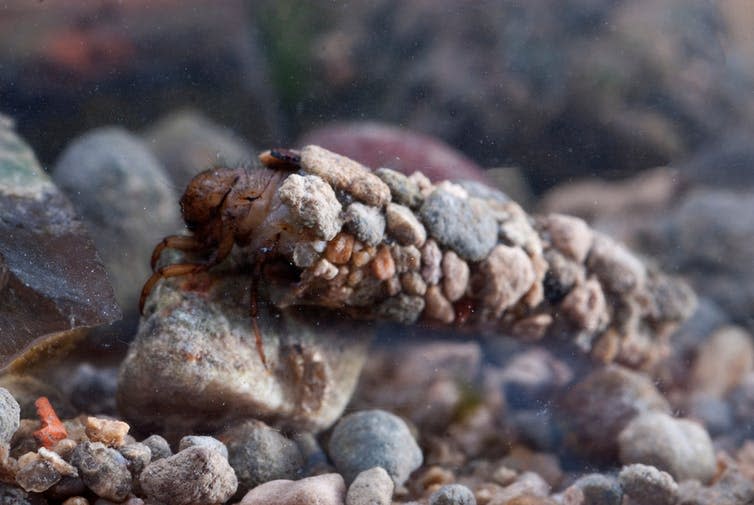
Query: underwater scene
374, 252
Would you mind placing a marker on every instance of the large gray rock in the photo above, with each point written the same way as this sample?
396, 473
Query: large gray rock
126, 201
194, 366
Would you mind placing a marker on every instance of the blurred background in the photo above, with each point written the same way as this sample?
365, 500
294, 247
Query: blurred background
560, 89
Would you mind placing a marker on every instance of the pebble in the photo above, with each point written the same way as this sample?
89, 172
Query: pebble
402, 309
431, 262
452, 494
340, 249
438, 307
619, 271
58, 463
108, 431
312, 203
259, 454
598, 489
585, 306
10, 413
463, 225
597, 408
194, 476
76, 500
138, 455
103, 470
413, 284
366, 223
67, 487
678, 446
502, 279
370, 438
569, 235
158, 447
723, 360
731, 488
12, 495
126, 200
648, 486
371, 487
328, 489
203, 441
455, 276
404, 190
35, 473
404, 225
345, 174
528, 485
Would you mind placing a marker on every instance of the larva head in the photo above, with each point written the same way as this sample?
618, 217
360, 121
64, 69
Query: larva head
202, 202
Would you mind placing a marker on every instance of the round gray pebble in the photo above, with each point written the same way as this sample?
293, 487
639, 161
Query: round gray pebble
372, 438
195, 476
10, 413
158, 446
371, 487
599, 489
464, 225
103, 470
452, 494
260, 454
138, 456
647, 485
203, 441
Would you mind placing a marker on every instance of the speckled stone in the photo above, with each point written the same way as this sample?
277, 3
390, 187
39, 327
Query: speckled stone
404, 225
598, 489
404, 190
313, 203
371, 487
455, 276
569, 235
452, 494
203, 441
370, 438
502, 279
647, 485
464, 225
103, 470
617, 269
9, 415
259, 454
158, 447
366, 223
194, 476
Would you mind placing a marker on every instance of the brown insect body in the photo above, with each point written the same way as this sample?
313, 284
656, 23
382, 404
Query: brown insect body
323, 230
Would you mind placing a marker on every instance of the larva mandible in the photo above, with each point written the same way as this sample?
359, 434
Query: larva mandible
326, 231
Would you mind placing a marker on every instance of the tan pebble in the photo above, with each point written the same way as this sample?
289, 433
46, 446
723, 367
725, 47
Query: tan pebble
404, 225
407, 258
413, 284
532, 328
431, 257
57, 463
436, 475
313, 204
393, 286
76, 500
108, 431
383, 266
355, 277
65, 447
569, 235
438, 307
585, 305
361, 258
339, 249
345, 174
502, 279
607, 347
455, 276
422, 182
536, 294
483, 495
504, 475
324, 269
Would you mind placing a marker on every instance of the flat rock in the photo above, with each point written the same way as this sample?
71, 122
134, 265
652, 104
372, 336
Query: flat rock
194, 365
51, 278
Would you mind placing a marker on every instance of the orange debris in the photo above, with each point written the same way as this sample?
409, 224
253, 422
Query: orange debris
52, 430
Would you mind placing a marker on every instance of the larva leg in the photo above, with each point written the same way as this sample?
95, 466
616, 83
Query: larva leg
222, 252
180, 242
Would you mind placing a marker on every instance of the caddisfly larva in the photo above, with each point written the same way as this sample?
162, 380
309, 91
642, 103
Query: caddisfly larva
324, 230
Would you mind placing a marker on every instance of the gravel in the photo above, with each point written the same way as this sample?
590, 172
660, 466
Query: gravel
103, 470
452, 494
371, 487
9, 415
